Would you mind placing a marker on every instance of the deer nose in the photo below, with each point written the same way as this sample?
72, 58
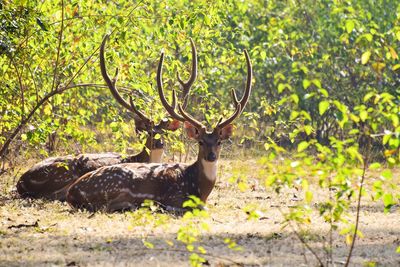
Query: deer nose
211, 156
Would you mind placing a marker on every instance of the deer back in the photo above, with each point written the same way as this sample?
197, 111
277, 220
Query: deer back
126, 186
51, 177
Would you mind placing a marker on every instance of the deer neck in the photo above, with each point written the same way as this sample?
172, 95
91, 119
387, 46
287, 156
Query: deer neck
143, 156
207, 176
156, 155
153, 156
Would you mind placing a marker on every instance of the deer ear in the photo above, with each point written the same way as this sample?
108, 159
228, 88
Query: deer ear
190, 130
226, 132
173, 125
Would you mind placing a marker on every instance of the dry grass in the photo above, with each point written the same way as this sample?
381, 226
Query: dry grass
55, 234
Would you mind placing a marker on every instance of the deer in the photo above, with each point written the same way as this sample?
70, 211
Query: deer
126, 186
51, 178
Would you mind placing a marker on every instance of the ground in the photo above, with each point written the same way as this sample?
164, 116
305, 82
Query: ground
48, 233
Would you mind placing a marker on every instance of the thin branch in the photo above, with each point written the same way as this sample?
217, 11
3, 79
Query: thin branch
353, 241
60, 36
304, 242
383, 134
21, 86
34, 82
33, 111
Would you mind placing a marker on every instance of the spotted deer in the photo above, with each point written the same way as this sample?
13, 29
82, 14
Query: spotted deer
51, 177
126, 186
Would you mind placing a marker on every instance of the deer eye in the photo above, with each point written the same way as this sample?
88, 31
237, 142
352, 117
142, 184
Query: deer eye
219, 143
201, 143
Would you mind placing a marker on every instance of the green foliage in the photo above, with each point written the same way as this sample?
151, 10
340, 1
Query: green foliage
192, 229
310, 65
325, 102
345, 167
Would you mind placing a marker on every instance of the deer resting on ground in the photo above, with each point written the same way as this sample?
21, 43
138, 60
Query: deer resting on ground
126, 186
52, 177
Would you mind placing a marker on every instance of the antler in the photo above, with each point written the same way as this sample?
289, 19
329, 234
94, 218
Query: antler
112, 85
192, 120
240, 105
193, 75
183, 116
170, 108
185, 85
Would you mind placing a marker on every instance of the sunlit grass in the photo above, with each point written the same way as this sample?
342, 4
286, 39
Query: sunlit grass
240, 208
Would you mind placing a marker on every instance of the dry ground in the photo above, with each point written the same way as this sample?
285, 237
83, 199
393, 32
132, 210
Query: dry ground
44, 233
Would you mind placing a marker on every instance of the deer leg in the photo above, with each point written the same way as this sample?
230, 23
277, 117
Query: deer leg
124, 201
60, 194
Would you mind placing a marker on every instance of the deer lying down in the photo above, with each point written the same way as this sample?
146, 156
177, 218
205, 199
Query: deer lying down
51, 177
126, 186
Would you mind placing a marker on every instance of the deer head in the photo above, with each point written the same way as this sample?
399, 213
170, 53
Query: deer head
209, 141
142, 122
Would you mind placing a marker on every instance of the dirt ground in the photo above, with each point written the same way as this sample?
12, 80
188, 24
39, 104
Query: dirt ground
45, 233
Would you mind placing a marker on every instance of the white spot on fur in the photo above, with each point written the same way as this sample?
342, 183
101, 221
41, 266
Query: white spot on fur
210, 169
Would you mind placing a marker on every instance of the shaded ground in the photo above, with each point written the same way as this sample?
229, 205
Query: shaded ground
42, 233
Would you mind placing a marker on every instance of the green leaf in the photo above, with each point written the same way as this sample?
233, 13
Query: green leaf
368, 96
201, 249
324, 92
302, 146
306, 83
387, 200
368, 37
387, 174
294, 114
386, 138
398, 249
391, 161
281, 87
263, 55
396, 67
323, 106
398, 35
148, 244
308, 196
395, 120
295, 98
374, 166
317, 83
308, 129
349, 25
363, 115
365, 57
